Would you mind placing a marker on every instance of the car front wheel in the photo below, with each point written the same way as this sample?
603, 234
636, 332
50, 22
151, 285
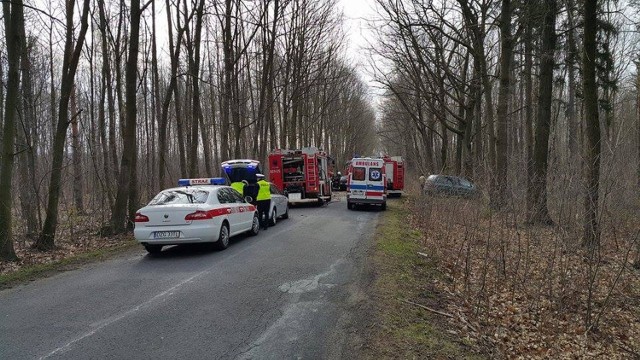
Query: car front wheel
286, 213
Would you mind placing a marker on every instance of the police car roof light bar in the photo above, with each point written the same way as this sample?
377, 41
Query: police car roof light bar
203, 181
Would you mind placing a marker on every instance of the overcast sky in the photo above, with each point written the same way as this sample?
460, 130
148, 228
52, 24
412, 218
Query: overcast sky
357, 14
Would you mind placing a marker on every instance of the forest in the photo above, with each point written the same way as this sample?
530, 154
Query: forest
107, 102
538, 103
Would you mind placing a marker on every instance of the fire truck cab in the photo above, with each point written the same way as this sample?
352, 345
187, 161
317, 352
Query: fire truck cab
394, 169
367, 183
303, 175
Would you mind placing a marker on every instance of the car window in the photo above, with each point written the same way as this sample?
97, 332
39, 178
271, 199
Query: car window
454, 180
358, 174
375, 174
180, 196
465, 183
225, 196
237, 198
442, 180
274, 190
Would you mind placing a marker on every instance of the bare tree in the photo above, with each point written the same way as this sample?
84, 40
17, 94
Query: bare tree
127, 183
538, 211
592, 122
506, 53
69, 66
13, 22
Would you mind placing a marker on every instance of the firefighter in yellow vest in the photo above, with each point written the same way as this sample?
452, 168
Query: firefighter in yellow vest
238, 186
264, 201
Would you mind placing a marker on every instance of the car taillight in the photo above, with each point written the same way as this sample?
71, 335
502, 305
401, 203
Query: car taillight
199, 215
141, 218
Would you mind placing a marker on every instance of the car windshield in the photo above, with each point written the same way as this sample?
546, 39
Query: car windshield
177, 197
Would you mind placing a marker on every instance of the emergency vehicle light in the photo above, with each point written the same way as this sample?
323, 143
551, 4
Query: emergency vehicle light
204, 181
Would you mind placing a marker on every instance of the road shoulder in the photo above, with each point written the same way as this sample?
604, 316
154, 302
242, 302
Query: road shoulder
403, 315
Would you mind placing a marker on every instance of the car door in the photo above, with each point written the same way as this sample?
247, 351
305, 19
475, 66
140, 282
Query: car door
278, 200
243, 211
376, 183
227, 200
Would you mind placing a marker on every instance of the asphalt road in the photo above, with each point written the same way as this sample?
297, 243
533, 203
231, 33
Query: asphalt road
289, 292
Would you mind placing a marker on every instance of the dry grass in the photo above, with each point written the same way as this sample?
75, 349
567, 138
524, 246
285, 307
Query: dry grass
77, 241
405, 304
526, 288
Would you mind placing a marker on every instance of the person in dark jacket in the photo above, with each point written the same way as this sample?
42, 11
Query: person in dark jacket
264, 201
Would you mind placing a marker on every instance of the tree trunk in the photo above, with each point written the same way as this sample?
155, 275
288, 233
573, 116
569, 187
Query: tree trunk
77, 154
500, 183
540, 212
528, 104
572, 125
592, 143
102, 119
127, 183
13, 20
195, 78
69, 66
26, 137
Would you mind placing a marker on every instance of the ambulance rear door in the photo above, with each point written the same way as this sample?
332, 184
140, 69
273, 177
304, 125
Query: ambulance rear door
376, 182
367, 181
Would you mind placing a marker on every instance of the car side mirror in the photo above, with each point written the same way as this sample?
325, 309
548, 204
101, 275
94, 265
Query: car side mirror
248, 199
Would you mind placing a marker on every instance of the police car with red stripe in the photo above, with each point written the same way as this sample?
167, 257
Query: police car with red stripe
198, 211
367, 183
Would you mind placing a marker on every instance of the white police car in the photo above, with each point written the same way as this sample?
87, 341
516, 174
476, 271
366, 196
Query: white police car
199, 211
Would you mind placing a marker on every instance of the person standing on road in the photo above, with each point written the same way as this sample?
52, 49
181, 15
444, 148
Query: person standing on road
264, 201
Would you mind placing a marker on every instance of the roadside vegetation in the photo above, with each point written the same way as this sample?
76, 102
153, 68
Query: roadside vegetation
79, 243
409, 319
494, 281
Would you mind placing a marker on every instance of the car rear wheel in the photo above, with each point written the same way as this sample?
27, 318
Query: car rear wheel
274, 216
153, 249
223, 239
349, 206
384, 206
255, 226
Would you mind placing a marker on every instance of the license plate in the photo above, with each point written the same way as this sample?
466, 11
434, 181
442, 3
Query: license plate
166, 234
295, 196
357, 192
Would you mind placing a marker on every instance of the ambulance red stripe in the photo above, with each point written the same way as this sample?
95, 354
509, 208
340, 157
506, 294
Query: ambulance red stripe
374, 193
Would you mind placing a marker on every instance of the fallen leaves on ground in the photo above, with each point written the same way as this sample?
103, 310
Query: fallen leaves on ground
532, 291
77, 234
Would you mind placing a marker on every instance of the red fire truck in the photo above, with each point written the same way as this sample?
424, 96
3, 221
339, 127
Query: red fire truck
394, 168
303, 175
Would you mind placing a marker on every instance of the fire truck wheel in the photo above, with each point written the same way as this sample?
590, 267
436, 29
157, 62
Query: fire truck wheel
273, 220
286, 213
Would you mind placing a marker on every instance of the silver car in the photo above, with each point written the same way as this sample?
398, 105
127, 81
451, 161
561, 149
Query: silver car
449, 185
279, 205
